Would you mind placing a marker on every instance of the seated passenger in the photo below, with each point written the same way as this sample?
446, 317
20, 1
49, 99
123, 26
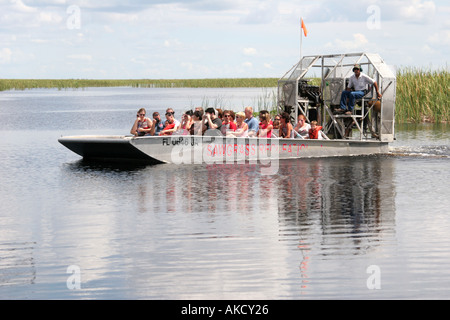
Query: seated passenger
211, 125
158, 124
142, 125
170, 127
265, 126
285, 126
200, 109
276, 128
251, 122
219, 113
177, 123
196, 127
186, 122
301, 130
316, 132
228, 124
241, 126
263, 112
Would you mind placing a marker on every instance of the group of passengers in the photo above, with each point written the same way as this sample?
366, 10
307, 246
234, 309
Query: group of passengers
226, 123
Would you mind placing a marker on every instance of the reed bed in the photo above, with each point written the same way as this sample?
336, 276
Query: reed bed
422, 96
22, 84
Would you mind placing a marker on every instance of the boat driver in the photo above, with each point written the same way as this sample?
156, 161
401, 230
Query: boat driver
358, 81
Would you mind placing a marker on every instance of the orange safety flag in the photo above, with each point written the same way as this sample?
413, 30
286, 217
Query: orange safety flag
305, 32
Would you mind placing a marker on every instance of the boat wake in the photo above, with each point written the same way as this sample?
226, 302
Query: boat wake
441, 151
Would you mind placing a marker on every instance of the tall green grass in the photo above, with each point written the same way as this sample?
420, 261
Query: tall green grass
21, 84
422, 96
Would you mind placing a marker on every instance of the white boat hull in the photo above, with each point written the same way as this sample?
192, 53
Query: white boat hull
202, 149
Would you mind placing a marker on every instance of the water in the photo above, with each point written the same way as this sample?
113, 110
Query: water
338, 228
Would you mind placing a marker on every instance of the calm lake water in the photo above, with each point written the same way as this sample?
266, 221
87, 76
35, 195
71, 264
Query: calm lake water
338, 228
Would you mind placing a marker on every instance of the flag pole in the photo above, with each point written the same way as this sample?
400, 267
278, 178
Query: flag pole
301, 40
305, 32
301, 37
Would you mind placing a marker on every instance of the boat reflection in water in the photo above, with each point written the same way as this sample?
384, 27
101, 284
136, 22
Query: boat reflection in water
338, 209
351, 193
222, 226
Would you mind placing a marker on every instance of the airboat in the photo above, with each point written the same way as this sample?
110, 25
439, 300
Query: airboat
312, 87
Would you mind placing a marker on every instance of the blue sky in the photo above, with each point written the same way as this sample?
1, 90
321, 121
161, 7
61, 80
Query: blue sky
155, 39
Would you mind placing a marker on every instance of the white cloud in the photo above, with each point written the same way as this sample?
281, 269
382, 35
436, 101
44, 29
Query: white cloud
49, 17
263, 12
108, 29
138, 60
41, 41
201, 38
249, 51
172, 43
19, 6
415, 11
426, 49
418, 10
359, 42
83, 57
188, 65
440, 38
197, 70
5, 55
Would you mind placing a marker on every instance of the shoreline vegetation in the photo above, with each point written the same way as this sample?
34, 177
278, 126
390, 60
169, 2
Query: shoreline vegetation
422, 96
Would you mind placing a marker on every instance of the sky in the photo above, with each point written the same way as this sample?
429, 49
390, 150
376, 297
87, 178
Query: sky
155, 39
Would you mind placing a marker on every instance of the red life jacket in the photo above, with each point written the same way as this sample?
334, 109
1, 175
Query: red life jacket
168, 127
314, 134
